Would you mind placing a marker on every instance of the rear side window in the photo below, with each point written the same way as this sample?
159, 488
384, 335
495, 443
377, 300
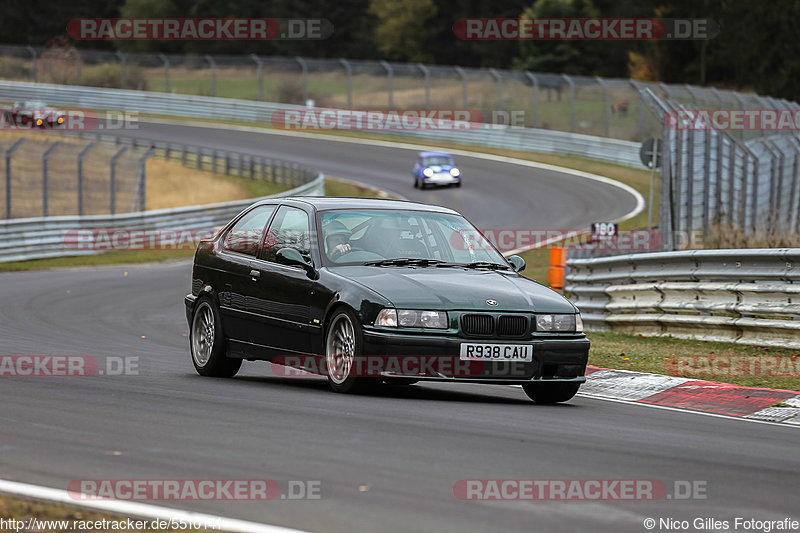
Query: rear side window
245, 236
289, 229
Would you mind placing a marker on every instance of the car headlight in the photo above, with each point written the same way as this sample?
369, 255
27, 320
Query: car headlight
412, 318
60, 120
455, 172
39, 122
558, 322
578, 323
428, 172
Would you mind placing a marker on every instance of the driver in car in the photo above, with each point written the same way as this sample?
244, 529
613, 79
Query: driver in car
337, 239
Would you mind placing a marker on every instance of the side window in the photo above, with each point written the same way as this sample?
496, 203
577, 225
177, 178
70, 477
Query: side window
245, 235
289, 229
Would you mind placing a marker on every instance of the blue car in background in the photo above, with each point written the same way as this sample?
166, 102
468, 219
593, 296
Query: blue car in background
435, 168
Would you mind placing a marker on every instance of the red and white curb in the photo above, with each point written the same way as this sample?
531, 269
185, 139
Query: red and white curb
692, 394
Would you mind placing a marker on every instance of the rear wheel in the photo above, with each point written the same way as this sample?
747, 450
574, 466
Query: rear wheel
342, 347
551, 392
207, 342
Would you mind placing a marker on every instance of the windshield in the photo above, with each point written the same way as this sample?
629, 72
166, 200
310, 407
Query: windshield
362, 236
437, 160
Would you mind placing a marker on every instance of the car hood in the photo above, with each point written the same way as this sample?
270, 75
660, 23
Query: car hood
456, 289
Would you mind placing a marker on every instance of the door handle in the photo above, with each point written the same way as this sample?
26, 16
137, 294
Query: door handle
255, 274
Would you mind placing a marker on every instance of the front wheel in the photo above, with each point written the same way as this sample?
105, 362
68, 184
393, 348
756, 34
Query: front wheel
207, 343
342, 347
551, 392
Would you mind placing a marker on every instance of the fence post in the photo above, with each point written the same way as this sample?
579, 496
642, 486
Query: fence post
213, 161
259, 75
213, 64
693, 93
304, 69
9, 152
34, 65
499, 80
45, 157
389, 76
606, 103
535, 81
81, 155
112, 177
78, 61
165, 59
571, 102
141, 184
706, 180
122, 61
427, 73
463, 75
348, 70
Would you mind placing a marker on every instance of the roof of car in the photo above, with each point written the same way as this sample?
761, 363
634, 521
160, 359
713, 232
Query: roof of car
323, 203
435, 154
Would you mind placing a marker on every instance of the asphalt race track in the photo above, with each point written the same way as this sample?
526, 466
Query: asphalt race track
388, 461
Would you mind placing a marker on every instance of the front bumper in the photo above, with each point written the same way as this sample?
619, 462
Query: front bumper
561, 359
442, 178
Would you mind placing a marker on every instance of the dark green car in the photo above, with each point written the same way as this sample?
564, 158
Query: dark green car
366, 291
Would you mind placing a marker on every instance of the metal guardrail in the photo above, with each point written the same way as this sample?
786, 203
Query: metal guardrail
742, 296
181, 105
37, 238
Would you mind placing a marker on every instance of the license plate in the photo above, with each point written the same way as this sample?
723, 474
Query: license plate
473, 351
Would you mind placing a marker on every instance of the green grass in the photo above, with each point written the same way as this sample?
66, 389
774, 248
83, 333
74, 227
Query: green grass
336, 187
660, 355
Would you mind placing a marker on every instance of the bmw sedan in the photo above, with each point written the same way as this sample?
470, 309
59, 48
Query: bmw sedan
368, 291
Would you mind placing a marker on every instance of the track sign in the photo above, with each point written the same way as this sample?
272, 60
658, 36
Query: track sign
603, 231
650, 148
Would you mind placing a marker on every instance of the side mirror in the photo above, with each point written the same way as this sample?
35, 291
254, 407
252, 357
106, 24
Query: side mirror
291, 257
517, 263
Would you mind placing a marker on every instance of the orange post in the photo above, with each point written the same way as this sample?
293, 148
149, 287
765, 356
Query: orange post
555, 274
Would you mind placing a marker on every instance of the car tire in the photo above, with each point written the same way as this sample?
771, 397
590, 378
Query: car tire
458, 184
416, 183
343, 345
207, 342
551, 392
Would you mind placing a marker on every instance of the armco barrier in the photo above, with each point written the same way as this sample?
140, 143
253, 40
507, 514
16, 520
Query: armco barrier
181, 105
36, 238
744, 296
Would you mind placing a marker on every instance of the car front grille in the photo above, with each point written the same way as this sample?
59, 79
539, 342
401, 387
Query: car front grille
512, 325
477, 324
485, 325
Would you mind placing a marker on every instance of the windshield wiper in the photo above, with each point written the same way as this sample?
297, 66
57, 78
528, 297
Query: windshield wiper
486, 264
403, 261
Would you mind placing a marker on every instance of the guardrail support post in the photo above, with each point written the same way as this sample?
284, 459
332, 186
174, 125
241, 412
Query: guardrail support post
81, 156
78, 61
9, 152
123, 58
34, 65
213, 64
165, 60
571, 102
304, 69
259, 75
112, 177
535, 81
348, 71
427, 73
464, 93
389, 76
45, 157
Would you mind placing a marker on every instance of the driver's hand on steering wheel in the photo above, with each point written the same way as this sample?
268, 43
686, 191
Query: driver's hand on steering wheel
341, 249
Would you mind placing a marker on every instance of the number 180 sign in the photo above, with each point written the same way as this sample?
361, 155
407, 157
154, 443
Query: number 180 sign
603, 231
